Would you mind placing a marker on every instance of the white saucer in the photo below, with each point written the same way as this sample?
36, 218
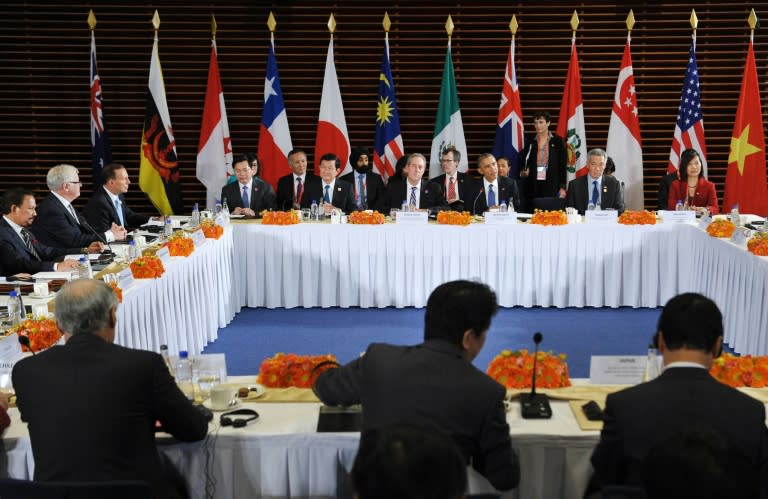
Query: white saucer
234, 404
36, 296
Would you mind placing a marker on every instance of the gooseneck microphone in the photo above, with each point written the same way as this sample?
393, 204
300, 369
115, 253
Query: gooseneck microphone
102, 239
24, 340
535, 405
474, 203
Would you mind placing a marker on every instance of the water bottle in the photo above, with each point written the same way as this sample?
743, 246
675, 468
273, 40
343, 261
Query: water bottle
735, 217
133, 251
405, 207
679, 205
195, 216
16, 314
166, 358
503, 207
184, 375
225, 210
590, 206
216, 210
651, 365
167, 228
84, 270
314, 211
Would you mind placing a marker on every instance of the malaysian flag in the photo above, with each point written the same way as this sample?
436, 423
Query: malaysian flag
689, 129
388, 143
509, 127
101, 149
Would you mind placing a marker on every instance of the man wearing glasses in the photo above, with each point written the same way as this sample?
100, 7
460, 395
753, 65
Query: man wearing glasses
58, 224
455, 184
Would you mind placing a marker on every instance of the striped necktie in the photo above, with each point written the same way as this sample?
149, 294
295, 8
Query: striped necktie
28, 243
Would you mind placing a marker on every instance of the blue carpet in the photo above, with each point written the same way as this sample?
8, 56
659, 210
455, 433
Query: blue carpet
257, 333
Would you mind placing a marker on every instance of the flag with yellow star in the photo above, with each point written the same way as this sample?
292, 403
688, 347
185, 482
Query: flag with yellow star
745, 182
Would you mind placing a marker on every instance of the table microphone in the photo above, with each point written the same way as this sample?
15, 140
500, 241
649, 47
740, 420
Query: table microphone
102, 239
24, 340
474, 203
535, 405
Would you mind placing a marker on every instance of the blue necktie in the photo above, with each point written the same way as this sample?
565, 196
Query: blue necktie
361, 191
413, 197
246, 202
326, 197
595, 193
119, 212
491, 196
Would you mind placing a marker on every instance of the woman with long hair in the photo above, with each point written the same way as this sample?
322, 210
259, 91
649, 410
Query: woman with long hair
692, 189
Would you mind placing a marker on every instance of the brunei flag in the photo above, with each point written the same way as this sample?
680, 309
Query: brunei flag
159, 168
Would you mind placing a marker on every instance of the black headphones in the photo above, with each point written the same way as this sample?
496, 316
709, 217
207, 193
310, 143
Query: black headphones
226, 420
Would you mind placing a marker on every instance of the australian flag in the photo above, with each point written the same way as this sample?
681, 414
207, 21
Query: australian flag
388, 144
102, 149
509, 126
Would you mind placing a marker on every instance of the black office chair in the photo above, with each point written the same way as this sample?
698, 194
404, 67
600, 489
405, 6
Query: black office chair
120, 489
554, 203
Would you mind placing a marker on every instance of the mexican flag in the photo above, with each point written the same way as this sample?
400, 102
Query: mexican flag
449, 130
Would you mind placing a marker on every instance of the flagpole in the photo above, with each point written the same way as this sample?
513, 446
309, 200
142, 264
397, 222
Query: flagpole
386, 24
694, 24
574, 27
449, 29
271, 24
752, 21
630, 25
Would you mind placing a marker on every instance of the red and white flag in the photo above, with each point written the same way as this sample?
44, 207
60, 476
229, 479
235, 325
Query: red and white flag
274, 134
570, 123
214, 151
624, 142
332, 133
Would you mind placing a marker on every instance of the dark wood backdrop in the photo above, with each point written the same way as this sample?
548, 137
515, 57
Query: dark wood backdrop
44, 115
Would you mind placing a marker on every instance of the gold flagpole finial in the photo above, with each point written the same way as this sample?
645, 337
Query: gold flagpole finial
574, 22
752, 20
331, 24
694, 21
386, 22
513, 25
630, 20
156, 21
449, 27
271, 23
213, 26
92, 20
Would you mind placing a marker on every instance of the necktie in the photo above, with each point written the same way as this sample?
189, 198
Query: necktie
413, 197
73, 213
299, 191
595, 193
452, 190
326, 196
28, 243
246, 201
361, 191
491, 196
119, 212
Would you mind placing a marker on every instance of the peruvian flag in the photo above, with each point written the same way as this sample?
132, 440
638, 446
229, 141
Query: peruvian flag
332, 133
570, 123
274, 134
214, 151
624, 142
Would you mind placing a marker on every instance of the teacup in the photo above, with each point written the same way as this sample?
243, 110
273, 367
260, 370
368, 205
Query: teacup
41, 288
222, 396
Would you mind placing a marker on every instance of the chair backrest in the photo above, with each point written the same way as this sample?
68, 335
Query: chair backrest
554, 203
23, 489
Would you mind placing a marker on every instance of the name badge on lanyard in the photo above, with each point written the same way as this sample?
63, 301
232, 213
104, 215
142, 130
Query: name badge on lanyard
541, 173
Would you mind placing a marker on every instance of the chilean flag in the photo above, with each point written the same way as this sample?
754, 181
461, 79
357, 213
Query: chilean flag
332, 133
509, 127
274, 135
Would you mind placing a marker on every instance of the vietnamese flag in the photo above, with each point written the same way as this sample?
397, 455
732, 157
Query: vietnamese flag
332, 133
745, 182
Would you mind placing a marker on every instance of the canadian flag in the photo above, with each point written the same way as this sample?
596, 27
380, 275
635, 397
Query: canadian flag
570, 123
624, 142
332, 133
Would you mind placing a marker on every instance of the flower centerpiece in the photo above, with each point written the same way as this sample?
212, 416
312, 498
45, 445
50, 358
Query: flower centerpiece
147, 267
289, 369
279, 218
42, 333
454, 217
514, 369
741, 371
637, 217
367, 217
180, 245
211, 229
758, 244
549, 217
721, 228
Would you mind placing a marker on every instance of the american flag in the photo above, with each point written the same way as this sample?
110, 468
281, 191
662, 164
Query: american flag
509, 125
689, 129
102, 154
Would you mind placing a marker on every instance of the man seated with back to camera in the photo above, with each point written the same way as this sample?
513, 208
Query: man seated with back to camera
92, 405
435, 383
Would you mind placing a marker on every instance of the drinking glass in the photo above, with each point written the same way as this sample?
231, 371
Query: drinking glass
206, 380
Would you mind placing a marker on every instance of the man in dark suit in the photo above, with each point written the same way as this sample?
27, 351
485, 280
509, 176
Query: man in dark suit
455, 185
92, 405
368, 186
291, 188
417, 192
491, 190
595, 188
107, 206
329, 191
250, 195
638, 419
664, 185
435, 383
57, 223
20, 250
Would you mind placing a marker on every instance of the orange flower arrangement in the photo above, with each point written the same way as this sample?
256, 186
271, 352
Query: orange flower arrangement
42, 333
180, 246
758, 245
211, 229
741, 371
549, 217
279, 218
117, 290
721, 228
514, 369
637, 217
284, 370
366, 218
454, 217
147, 267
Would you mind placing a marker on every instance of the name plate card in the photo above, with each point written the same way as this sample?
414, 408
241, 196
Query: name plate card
601, 216
164, 255
412, 217
10, 348
500, 217
198, 237
125, 278
678, 217
617, 369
